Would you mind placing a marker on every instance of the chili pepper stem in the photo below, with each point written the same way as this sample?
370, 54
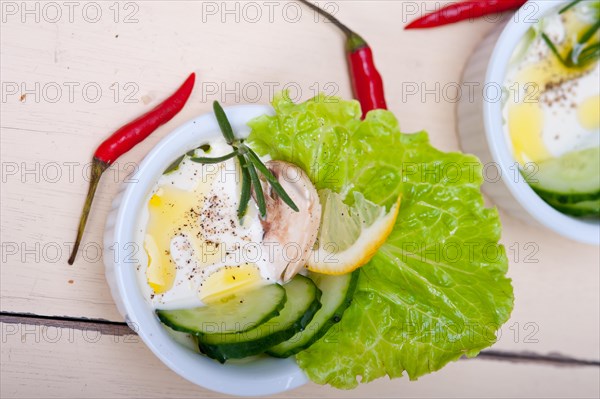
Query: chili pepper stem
98, 167
366, 80
353, 40
347, 31
124, 139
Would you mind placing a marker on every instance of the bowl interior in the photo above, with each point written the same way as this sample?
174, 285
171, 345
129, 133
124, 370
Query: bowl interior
262, 376
583, 230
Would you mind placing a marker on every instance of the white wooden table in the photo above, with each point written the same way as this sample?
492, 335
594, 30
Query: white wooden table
73, 72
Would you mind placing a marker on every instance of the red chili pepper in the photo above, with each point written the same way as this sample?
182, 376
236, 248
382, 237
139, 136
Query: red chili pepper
456, 12
366, 80
124, 139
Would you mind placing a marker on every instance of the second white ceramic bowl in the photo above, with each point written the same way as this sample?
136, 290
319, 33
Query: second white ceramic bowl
122, 249
480, 129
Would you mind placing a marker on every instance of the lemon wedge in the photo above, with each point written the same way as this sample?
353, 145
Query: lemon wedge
349, 235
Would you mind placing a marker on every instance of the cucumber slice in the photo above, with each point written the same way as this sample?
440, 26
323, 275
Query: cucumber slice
579, 209
572, 178
238, 313
337, 296
301, 305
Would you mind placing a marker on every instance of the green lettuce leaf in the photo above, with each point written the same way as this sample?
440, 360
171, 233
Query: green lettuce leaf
436, 290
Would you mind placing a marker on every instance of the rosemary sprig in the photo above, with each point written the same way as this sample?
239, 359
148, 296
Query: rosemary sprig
250, 165
580, 55
223, 123
215, 160
260, 196
590, 33
176, 163
246, 187
272, 180
590, 53
569, 6
554, 50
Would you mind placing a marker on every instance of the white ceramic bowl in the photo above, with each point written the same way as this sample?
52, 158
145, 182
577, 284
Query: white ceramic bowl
480, 128
264, 376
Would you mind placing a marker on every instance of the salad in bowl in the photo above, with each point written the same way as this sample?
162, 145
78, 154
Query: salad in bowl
552, 122
305, 242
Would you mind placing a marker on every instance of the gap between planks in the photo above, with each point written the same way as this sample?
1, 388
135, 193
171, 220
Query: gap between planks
115, 328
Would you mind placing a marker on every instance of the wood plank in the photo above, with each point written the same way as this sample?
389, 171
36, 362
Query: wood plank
42, 213
559, 295
118, 366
